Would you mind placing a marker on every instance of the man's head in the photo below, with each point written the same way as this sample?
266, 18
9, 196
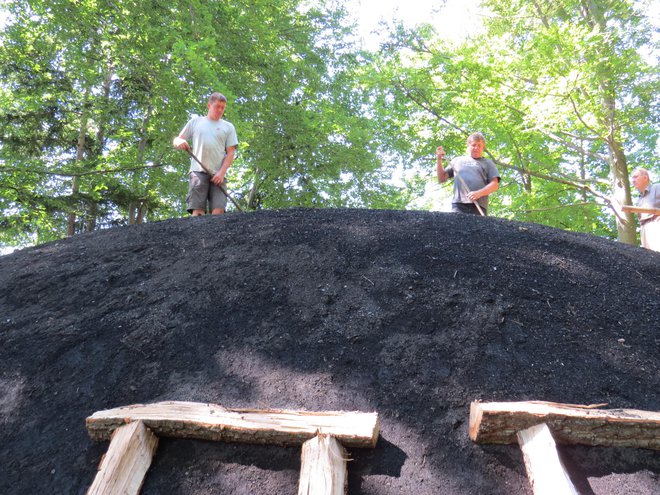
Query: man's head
476, 144
640, 179
217, 104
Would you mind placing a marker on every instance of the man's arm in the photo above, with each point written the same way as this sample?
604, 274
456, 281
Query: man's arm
489, 188
442, 173
180, 143
219, 177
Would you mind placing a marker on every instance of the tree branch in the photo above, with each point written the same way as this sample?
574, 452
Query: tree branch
579, 116
558, 207
79, 174
582, 187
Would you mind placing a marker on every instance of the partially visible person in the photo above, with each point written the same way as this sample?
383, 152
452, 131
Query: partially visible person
649, 198
214, 143
475, 177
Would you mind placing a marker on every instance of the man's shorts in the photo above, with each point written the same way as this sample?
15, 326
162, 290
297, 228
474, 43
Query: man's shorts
202, 191
469, 208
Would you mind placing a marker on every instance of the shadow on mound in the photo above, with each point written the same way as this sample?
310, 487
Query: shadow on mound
410, 314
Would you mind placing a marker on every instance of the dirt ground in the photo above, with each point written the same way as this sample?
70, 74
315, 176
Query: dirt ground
413, 315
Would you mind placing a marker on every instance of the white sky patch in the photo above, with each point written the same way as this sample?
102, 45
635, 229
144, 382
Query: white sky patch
453, 19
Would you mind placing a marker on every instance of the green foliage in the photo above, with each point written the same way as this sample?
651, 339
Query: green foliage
560, 91
92, 93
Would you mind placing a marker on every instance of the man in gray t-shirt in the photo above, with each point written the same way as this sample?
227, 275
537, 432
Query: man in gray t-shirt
475, 177
214, 144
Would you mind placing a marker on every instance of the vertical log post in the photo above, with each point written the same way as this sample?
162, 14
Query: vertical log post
323, 468
126, 462
544, 469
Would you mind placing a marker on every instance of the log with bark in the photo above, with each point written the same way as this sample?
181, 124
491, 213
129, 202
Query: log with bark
214, 422
499, 422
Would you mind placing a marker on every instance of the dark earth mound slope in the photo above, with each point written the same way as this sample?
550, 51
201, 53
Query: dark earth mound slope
410, 314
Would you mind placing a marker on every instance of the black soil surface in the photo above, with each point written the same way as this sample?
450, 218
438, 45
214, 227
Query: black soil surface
410, 314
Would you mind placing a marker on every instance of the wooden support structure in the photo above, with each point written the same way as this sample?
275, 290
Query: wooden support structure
214, 422
126, 462
133, 429
640, 209
499, 422
544, 469
323, 468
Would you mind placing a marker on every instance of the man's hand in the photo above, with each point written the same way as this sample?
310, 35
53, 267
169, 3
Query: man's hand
474, 195
181, 144
489, 188
440, 152
218, 178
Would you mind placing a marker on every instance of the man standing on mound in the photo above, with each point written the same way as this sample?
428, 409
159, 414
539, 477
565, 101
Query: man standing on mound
214, 143
475, 177
649, 198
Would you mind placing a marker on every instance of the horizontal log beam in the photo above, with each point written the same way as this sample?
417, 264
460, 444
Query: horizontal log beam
214, 422
499, 422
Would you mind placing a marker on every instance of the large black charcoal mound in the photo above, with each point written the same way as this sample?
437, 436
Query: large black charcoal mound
410, 314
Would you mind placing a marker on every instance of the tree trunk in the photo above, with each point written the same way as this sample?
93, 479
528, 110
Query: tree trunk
626, 231
138, 209
253, 199
143, 209
80, 156
90, 219
137, 212
625, 224
71, 217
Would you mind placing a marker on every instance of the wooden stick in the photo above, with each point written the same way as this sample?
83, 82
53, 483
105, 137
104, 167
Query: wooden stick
126, 462
544, 469
640, 209
498, 422
323, 467
214, 422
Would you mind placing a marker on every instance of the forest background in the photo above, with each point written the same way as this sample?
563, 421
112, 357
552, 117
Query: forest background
93, 91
